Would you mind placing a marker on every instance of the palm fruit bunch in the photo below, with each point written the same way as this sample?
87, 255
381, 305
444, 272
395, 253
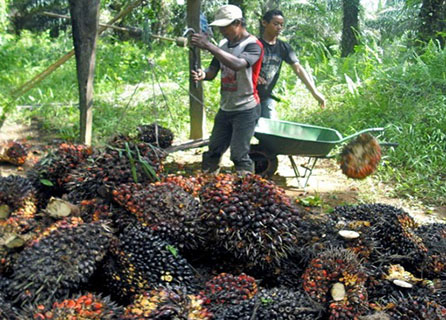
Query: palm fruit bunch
397, 241
14, 152
119, 163
392, 231
251, 218
17, 217
167, 303
155, 135
273, 304
416, 308
165, 208
360, 157
141, 260
7, 310
192, 184
337, 278
86, 306
226, 289
434, 237
55, 265
386, 285
51, 172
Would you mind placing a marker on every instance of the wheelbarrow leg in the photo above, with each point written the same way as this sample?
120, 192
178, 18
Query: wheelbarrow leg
309, 166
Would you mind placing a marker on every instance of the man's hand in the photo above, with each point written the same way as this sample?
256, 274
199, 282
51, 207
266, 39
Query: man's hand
198, 75
320, 98
199, 40
261, 80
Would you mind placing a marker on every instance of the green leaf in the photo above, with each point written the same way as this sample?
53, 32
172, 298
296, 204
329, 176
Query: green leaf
172, 250
46, 182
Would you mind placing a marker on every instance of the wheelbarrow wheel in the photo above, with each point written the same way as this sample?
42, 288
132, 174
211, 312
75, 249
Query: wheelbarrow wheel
265, 164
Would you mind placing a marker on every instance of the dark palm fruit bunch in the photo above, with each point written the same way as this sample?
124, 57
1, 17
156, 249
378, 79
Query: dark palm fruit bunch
113, 166
51, 172
62, 261
251, 218
434, 237
156, 135
17, 197
86, 306
167, 303
226, 289
165, 208
416, 308
142, 261
337, 277
383, 293
7, 310
273, 304
360, 157
392, 231
14, 152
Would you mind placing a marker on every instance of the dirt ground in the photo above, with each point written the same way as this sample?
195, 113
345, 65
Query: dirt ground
327, 187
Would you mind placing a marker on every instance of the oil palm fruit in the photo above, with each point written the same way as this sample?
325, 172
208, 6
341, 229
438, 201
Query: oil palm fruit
165, 208
14, 152
87, 306
52, 171
141, 260
333, 269
167, 303
251, 218
360, 157
226, 289
58, 262
434, 237
156, 135
123, 162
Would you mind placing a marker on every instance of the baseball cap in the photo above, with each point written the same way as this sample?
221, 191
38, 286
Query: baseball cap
226, 15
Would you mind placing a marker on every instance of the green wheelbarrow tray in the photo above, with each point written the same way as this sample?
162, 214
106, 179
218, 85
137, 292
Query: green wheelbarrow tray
278, 137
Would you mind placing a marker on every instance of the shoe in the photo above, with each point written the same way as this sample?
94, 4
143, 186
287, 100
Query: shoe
214, 172
243, 173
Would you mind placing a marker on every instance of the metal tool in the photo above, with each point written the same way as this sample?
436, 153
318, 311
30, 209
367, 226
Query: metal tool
193, 49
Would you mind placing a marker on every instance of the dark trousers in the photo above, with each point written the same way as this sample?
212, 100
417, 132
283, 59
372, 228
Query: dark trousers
232, 129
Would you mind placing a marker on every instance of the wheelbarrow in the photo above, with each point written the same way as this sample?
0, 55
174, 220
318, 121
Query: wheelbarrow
278, 137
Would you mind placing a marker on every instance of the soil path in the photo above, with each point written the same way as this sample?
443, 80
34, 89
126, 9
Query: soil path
327, 186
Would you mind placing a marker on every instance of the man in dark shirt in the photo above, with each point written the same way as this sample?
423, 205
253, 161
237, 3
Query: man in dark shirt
277, 51
239, 58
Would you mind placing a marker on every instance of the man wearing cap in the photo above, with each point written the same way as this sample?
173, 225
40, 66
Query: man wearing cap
239, 58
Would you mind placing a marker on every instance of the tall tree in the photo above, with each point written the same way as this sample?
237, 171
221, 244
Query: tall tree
433, 20
350, 27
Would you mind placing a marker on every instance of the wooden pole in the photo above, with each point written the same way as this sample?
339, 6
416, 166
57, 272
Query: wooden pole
196, 106
85, 20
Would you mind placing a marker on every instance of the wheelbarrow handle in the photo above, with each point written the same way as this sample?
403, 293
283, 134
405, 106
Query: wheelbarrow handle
360, 132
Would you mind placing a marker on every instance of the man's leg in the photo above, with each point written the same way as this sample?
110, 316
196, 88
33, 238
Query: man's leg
218, 142
243, 130
268, 109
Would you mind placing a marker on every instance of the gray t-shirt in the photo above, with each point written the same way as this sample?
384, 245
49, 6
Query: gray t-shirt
239, 88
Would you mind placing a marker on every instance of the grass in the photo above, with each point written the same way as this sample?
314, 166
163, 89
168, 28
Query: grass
392, 86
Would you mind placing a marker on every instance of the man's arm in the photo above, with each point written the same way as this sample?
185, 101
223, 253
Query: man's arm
201, 41
305, 78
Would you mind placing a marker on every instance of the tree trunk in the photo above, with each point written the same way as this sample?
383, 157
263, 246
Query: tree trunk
433, 21
350, 27
85, 19
196, 106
